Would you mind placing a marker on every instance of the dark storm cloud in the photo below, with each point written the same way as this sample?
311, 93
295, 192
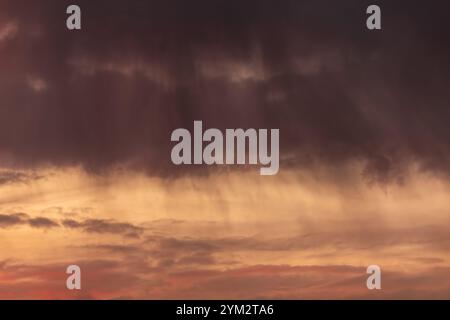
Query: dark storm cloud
112, 93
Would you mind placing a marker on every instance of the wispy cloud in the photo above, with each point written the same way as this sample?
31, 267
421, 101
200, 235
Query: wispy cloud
104, 226
17, 219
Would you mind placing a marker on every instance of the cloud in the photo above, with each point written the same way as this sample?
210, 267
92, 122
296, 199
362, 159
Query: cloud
9, 220
20, 219
303, 282
104, 226
37, 84
198, 267
337, 92
8, 31
98, 226
102, 279
41, 222
10, 177
341, 237
112, 279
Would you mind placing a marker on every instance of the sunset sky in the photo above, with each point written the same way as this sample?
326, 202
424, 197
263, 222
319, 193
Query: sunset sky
86, 176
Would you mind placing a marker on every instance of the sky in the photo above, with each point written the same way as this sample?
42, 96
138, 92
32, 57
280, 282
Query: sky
86, 176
